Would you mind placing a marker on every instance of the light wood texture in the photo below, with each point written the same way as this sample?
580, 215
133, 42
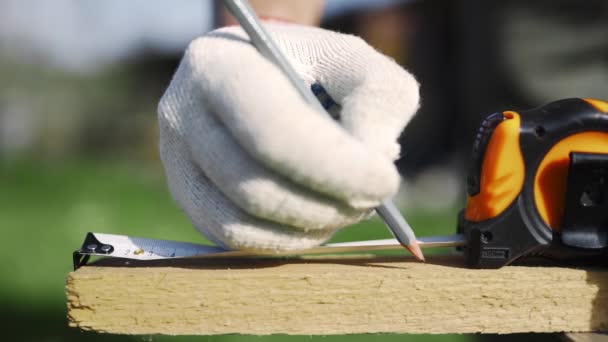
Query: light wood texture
339, 296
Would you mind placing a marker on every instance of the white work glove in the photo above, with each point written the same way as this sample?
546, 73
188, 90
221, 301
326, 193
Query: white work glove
253, 165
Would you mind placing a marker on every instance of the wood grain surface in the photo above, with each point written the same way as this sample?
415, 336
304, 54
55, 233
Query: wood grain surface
334, 296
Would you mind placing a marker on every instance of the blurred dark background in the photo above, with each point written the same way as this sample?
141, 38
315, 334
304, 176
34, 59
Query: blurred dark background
80, 80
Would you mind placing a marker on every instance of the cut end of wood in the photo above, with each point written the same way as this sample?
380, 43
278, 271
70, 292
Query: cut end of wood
337, 296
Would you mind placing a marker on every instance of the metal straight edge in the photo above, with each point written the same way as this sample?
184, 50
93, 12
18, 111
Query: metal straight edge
455, 240
135, 248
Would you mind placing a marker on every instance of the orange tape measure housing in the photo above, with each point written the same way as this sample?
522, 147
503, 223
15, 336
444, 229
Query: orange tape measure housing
503, 171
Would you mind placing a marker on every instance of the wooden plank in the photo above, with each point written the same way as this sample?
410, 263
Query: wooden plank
335, 296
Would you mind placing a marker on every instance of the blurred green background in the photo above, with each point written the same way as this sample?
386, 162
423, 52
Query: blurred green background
80, 80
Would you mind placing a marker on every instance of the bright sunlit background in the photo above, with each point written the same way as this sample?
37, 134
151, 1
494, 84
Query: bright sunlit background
80, 80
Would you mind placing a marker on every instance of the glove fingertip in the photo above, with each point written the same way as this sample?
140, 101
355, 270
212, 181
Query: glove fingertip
382, 186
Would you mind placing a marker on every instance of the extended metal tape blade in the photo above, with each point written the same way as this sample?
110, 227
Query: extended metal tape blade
121, 246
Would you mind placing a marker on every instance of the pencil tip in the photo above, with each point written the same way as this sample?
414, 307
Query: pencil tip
414, 248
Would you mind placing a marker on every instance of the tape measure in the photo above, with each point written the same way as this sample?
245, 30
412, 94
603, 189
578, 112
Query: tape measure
135, 248
538, 184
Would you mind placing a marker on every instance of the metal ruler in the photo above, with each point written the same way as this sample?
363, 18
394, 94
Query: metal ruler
135, 248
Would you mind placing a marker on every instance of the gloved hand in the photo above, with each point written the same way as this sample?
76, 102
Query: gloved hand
253, 165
